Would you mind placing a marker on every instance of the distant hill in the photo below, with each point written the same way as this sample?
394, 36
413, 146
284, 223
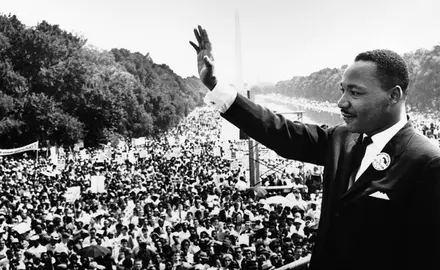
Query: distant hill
323, 85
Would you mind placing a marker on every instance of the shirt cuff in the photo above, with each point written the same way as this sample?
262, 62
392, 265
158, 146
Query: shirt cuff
221, 97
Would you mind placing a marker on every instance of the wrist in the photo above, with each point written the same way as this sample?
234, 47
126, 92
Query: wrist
211, 83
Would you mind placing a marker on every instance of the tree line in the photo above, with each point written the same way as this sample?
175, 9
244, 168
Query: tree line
58, 90
324, 85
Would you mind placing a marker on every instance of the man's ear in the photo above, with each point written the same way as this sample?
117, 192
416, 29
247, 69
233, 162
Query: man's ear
395, 95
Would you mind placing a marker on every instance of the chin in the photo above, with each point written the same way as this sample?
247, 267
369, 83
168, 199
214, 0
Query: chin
353, 128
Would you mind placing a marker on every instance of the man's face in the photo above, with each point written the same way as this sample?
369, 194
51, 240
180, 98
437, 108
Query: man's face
364, 104
248, 254
239, 253
137, 265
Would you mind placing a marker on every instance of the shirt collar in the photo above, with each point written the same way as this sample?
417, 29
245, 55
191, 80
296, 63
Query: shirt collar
382, 138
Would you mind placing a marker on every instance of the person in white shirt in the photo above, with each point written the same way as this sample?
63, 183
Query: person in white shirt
91, 239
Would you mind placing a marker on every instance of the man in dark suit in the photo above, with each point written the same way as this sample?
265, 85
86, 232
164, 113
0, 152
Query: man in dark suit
381, 182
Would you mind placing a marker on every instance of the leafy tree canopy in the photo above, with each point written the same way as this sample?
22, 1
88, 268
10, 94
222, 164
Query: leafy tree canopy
56, 89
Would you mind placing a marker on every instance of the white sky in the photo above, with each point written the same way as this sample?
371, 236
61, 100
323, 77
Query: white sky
280, 38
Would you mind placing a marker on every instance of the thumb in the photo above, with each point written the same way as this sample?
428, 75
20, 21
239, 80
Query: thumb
208, 61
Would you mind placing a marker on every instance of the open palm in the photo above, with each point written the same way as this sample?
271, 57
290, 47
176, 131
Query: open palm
205, 59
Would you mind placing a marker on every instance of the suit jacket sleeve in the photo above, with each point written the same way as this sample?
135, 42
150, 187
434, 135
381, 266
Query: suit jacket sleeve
289, 139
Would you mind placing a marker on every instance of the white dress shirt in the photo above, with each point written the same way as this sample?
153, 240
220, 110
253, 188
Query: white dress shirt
379, 141
221, 97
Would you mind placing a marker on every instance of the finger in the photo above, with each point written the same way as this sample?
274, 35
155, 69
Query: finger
195, 46
196, 33
202, 37
207, 43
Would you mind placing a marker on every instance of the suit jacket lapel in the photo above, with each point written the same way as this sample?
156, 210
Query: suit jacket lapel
344, 169
393, 148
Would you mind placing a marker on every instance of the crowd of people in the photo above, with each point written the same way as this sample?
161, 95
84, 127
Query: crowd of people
181, 201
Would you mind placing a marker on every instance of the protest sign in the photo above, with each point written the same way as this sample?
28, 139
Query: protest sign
227, 154
29, 147
97, 184
217, 151
234, 165
53, 155
243, 239
233, 154
144, 154
131, 158
61, 164
139, 141
72, 194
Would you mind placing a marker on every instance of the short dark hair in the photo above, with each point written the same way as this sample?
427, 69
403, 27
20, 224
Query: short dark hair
391, 68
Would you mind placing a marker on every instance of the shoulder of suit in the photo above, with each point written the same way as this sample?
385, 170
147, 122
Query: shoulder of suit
339, 131
419, 143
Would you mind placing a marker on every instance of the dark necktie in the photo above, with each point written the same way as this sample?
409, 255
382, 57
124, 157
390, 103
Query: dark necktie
358, 155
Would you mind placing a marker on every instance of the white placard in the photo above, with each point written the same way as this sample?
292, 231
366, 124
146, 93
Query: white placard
217, 151
97, 184
234, 165
72, 194
61, 164
171, 140
53, 155
143, 153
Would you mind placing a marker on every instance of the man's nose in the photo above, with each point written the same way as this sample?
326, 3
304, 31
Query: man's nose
343, 102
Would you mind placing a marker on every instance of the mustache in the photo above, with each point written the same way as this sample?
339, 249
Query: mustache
346, 112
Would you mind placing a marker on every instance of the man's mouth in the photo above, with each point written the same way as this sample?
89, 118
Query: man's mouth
347, 116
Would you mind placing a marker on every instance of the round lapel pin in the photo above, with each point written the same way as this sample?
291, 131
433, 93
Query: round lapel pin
381, 161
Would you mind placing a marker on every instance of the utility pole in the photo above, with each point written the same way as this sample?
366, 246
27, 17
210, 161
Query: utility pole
254, 163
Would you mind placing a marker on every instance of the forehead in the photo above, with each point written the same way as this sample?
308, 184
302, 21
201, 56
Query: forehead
360, 74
